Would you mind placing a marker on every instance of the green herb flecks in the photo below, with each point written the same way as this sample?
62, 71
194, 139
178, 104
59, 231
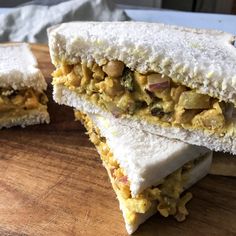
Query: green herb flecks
127, 80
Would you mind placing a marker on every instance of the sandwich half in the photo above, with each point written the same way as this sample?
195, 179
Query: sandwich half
172, 81
148, 173
22, 85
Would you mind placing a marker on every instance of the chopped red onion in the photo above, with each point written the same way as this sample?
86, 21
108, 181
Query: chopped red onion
115, 111
160, 85
123, 179
156, 81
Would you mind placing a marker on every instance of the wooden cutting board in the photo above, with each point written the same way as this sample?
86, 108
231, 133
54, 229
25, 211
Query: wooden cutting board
53, 183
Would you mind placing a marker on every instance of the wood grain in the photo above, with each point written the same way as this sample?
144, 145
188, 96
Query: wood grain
52, 183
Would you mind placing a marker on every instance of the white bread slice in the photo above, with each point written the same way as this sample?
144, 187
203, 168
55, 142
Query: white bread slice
146, 158
227, 143
151, 144
196, 174
31, 117
19, 68
200, 59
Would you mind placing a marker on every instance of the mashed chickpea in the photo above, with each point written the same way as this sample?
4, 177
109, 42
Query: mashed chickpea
152, 96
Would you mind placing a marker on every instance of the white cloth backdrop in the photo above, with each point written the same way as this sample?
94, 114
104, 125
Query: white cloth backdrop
28, 23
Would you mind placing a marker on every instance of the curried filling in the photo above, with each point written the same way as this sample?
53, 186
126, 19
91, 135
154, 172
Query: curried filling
16, 102
152, 96
167, 194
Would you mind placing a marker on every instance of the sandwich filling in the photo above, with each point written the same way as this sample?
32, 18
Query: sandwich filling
166, 196
15, 103
152, 96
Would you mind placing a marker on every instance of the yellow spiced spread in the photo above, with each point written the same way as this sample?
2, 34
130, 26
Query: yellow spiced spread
15, 103
152, 96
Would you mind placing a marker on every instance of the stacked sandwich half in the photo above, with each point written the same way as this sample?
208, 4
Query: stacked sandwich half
155, 99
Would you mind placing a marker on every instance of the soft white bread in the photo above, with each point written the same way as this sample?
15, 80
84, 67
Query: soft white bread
145, 158
31, 117
19, 68
227, 143
200, 59
142, 156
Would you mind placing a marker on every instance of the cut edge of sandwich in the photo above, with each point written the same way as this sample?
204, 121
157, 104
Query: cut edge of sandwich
153, 97
32, 117
22, 87
138, 208
226, 143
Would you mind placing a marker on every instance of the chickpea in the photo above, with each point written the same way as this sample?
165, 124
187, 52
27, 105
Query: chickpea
31, 103
66, 69
110, 87
98, 73
114, 68
141, 79
113, 87
73, 79
18, 100
87, 73
78, 70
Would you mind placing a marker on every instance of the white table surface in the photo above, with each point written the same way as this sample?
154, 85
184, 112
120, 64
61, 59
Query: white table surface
199, 20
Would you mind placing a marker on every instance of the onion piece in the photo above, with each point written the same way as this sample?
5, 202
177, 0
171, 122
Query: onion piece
123, 180
115, 111
156, 81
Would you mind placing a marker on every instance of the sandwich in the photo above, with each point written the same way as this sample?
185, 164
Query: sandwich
149, 174
22, 85
171, 81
